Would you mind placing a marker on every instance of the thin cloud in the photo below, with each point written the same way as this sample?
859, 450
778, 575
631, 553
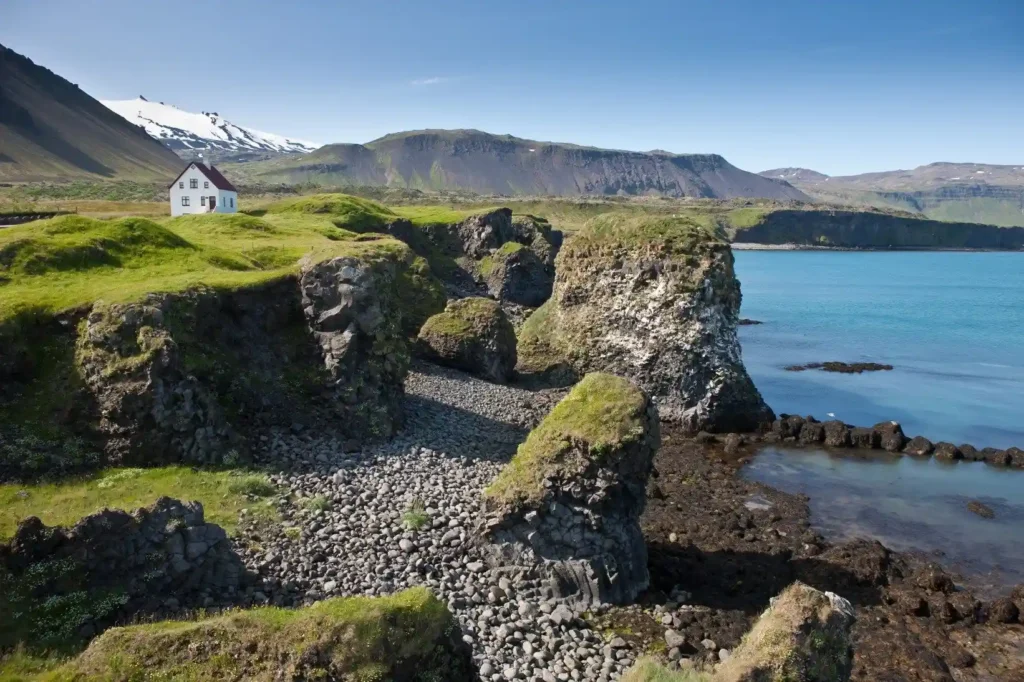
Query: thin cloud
435, 80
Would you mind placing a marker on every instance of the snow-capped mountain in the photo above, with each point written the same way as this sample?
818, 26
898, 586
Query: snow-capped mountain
189, 134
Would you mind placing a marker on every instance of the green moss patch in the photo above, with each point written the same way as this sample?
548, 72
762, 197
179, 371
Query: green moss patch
602, 413
462, 318
648, 669
400, 637
223, 495
614, 232
344, 211
537, 349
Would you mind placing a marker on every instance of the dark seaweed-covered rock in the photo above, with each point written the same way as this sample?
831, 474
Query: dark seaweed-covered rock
995, 457
570, 500
947, 452
861, 437
970, 453
1016, 456
918, 446
812, 432
841, 367
837, 434
891, 436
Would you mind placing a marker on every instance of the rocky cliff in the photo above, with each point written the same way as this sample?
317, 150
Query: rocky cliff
502, 164
655, 300
874, 230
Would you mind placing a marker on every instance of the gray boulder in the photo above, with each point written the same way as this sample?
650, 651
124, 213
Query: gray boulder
570, 500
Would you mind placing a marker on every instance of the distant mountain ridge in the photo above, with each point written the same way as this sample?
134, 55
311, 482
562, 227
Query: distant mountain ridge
502, 164
190, 134
970, 192
50, 129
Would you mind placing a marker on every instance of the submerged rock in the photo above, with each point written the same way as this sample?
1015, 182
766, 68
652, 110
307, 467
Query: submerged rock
571, 498
841, 367
890, 435
655, 300
804, 635
474, 335
919, 446
981, 509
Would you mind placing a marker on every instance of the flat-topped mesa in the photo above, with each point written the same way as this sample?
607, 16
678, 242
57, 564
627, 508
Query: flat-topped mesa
654, 299
570, 501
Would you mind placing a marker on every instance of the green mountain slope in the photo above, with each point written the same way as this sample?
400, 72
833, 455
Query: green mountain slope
968, 192
501, 164
50, 129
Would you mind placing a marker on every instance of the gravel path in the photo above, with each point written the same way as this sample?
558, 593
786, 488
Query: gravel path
402, 514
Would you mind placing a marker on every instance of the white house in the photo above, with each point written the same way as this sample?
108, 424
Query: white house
202, 189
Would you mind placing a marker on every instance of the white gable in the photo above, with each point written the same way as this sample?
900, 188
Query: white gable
194, 192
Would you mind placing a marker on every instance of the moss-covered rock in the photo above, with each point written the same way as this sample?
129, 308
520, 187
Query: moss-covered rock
515, 273
804, 635
654, 299
408, 637
571, 498
474, 335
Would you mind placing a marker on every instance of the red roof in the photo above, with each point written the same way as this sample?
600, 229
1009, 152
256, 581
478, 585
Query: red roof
211, 173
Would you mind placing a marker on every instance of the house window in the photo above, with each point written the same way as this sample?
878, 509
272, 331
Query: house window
193, 184
202, 200
184, 201
206, 185
181, 185
232, 200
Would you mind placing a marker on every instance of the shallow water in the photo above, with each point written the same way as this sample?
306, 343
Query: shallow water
952, 324
910, 504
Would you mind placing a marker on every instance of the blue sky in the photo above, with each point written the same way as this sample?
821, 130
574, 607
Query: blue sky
840, 87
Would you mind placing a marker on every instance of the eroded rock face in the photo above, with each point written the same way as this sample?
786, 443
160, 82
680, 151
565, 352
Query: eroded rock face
474, 335
657, 301
570, 500
151, 410
804, 635
163, 551
514, 273
353, 309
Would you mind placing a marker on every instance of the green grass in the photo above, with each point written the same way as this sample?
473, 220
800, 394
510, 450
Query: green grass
648, 669
415, 517
53, 265
222, 493
318, 503
434, 215
462, 318
356, 638
601, 413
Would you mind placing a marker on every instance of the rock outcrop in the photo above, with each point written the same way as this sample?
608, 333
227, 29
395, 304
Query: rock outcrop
514, 273
151, 409
655, 300
474, 335
354, 309
804, 635
570, 500
128, 563
406, 637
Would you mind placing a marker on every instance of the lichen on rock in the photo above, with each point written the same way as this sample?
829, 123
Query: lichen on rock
654, 299
569, 502
474, 335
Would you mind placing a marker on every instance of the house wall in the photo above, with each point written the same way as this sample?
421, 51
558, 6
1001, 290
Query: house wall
205, 188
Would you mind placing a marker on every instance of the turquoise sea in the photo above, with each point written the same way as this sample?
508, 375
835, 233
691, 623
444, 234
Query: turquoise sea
952, 325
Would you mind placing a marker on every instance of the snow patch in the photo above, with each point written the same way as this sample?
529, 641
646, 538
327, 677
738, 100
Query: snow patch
187, 130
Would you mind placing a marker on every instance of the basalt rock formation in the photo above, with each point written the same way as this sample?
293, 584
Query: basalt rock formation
151, 409
474, 335
127, 563
655, 300
570, 500
354, 310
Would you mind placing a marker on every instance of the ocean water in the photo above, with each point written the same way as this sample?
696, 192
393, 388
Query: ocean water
910, 504
951, 324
